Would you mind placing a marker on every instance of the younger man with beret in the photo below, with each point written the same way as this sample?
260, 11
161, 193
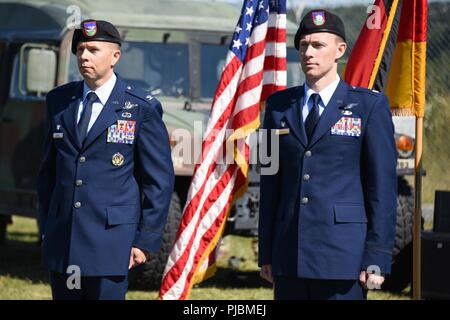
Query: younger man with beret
327, 217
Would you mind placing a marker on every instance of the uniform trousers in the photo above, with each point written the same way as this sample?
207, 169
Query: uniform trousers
293, 288
91, 288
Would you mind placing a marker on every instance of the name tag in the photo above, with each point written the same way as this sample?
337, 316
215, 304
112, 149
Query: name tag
122, 132
281, 131
58, 135
347, 126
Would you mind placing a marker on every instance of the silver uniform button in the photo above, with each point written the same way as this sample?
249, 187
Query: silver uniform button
306, 177
82, 159
308, 153
78, 183
305, 200
77, 205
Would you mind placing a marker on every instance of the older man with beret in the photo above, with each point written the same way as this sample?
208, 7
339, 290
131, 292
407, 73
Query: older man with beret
106, 177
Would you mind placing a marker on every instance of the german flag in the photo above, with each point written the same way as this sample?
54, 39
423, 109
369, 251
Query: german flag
390, 54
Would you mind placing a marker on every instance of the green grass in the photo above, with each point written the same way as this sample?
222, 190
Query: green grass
23, 278
436, 149
21, 275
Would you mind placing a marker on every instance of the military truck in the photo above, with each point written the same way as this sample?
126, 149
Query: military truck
173, 49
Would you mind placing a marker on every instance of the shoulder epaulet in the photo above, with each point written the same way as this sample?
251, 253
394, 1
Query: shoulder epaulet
287, 91
139, 93
364, 90
64, 87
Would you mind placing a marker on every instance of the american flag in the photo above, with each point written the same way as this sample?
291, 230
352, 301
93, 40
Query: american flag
255, 67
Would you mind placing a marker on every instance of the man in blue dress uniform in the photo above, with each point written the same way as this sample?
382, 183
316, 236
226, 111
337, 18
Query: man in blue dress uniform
106, 177
327, 217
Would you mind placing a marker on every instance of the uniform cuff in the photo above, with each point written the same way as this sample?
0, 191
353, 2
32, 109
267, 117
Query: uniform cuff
377, 260
148, 241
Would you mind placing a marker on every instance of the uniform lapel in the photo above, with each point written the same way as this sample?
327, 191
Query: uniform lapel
293, 116
108, 114
331, 114
70, 114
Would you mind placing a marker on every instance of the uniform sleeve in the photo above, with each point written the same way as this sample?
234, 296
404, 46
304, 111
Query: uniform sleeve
156, 177
47, 171
268, 200
380, 186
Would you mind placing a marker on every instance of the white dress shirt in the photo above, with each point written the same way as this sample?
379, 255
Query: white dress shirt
102, 93
325, 97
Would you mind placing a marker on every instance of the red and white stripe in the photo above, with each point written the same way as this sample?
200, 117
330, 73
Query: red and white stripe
275, 74
213, 186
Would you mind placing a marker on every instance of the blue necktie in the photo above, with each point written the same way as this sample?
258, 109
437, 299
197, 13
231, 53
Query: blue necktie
313, 116
83, 124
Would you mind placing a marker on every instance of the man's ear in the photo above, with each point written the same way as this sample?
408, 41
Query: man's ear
340, 51
116, 57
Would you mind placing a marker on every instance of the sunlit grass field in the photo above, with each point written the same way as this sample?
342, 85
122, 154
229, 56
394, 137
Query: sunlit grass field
23, 278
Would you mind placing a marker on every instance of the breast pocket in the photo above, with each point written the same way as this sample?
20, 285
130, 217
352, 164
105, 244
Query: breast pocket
338, 139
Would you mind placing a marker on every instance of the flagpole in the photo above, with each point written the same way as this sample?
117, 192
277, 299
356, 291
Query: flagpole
417, 221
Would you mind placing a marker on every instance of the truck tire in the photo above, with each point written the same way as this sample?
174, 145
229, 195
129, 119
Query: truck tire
4, 221
405, 210
401, 272
148, 275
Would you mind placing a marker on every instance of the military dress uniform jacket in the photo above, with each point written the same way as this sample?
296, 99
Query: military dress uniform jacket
330, 210
97, 199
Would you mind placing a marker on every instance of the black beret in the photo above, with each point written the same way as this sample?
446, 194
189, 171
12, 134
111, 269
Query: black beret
319, 20
95, 30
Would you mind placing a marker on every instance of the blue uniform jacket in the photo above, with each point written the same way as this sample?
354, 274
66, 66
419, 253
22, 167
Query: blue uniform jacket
330, 210
91, 211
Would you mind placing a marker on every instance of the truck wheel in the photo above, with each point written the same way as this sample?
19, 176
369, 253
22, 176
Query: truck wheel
405, 210
4, 221
401, 273
148, 275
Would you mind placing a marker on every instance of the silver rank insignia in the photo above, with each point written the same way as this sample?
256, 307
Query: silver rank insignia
117, 159
126, 115
128, 105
